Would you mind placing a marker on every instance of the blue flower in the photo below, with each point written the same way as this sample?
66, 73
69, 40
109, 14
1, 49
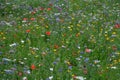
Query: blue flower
9, 71
0, 53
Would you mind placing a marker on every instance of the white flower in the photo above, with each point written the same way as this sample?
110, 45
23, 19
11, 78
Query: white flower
78, 59
78, 47
113, 67
28, 72
42, 35
51, 77
80, 78
96, 61
51, 69
14, 60
25, 58
12, 45
24, 78
22, 41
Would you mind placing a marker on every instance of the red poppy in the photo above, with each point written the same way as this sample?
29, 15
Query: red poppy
48, 33
27, 31
32, 67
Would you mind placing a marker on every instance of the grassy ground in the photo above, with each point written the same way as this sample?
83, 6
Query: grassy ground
60, 40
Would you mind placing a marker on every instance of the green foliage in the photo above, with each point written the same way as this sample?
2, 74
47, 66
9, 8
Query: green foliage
62, 39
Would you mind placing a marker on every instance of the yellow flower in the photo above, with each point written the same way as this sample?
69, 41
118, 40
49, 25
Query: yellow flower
114, 33
106, 35
33, 52
1, 33
107, 38
118, 60
4, 37
68, 70
54, 50
111, 40
46, 26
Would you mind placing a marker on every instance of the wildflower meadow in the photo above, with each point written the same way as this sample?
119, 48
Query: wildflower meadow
59, 39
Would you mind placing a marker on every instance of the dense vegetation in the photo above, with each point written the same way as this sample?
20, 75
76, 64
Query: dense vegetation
59, 39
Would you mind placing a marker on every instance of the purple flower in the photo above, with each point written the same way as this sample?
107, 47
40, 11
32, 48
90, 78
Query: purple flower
54, 62
70, 67
81, 52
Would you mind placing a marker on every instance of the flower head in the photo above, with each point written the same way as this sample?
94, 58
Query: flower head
48, 33
28, 30
32, 67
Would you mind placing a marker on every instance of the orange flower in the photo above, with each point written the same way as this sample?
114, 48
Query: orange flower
32, 19
32, 67
56, 46
48, 33
27, 31
25, 19
77, 34
48, 9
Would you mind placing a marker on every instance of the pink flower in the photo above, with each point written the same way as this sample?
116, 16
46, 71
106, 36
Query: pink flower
87, 50
117, 26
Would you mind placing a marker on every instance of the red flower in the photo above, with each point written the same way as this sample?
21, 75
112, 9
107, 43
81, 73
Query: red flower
48, 33
117, 26
32, 67
27, 31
